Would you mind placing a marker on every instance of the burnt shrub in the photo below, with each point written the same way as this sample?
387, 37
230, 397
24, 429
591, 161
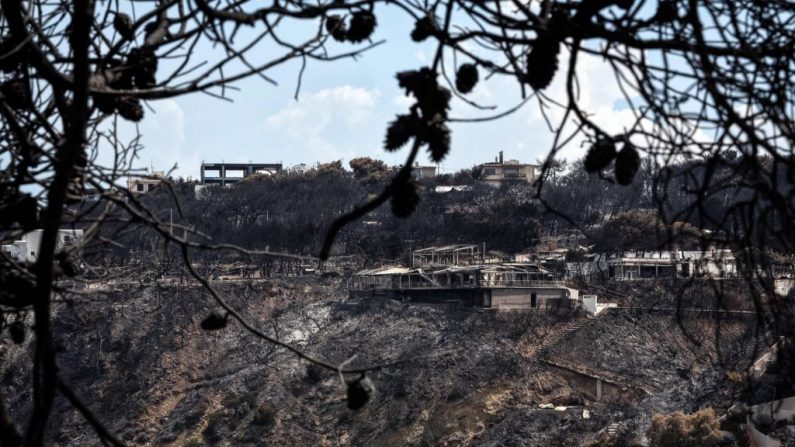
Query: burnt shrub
699, 429
264, 415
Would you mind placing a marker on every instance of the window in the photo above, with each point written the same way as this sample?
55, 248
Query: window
489, 171
139, 187
151, 187
511, 172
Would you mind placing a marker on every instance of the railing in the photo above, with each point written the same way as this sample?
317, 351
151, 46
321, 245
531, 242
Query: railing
523, 283
506, 284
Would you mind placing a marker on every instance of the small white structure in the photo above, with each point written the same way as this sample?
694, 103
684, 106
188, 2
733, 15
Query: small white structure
593, 307
442, 189
26, 249
589, 304
420, 172
301, 168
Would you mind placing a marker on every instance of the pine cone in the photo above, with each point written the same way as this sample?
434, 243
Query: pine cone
600, 155
409, 80
105, 103
542, 62
17, 94
143, 66
432, 99
405, 199
434, 102
362, 26
130, 108
424, 28
120, 75
400, 131
627, 164
123, 24
335, 25
466, 78
438, 138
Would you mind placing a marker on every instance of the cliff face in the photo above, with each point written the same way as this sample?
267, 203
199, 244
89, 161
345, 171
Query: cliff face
140, 360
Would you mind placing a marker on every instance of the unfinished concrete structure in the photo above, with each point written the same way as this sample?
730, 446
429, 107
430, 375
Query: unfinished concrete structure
453, 275
228, 173
459, 254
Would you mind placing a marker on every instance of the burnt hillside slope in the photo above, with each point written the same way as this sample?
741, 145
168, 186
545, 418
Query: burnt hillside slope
139, 358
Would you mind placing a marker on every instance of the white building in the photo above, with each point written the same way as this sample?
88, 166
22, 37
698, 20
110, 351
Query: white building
140, 184
26, 249
632, 265
709, 263
501, 171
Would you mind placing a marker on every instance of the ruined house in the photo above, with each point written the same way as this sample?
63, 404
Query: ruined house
460, 275
640, 264
710, 263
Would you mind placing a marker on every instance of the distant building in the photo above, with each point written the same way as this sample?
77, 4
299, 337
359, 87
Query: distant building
224, 174
458, 254
710, 263
512, 170
26, 249
420, 172
301, 168
652, 264
552, 245
465, 275
139, 184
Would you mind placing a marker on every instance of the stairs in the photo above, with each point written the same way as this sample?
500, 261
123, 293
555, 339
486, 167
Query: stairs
569, 328
612, 429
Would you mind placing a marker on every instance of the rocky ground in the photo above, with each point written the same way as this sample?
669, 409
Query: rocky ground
138, 357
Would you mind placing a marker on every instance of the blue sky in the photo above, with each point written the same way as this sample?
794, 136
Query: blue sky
343, 110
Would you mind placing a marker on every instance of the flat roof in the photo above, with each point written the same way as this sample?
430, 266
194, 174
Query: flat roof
241, 165
508, 163
442, 248
490, 268
385, 271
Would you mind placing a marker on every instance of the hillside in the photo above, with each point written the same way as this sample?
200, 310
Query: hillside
139, 358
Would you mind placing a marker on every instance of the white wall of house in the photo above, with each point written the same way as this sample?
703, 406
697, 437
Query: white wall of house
26, 249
